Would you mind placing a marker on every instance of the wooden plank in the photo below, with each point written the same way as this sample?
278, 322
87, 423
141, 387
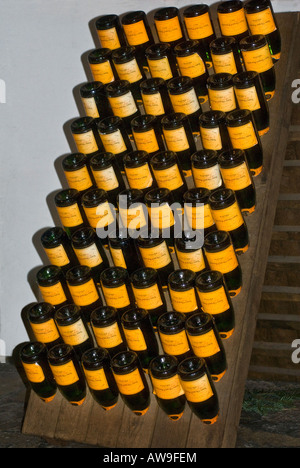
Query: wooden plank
282, 274
41, 418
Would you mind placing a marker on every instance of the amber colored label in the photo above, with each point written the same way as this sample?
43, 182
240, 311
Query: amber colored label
85, 142
70, 215
224, 63
79, 180
211, 138
113, 142
186, 103
90, 256
199, 217
169, 30
204, 345
161, 216
197, 391
160, 68
108, 337
167, 389
184, 301
65, 374
109, 38
153, 104
207, 178
136, 33
146, 141
156, 257
116, 297
106, 179
102, 72
130, 384
247, 98
129, 71
53, 294
139, 177
123, 106
193, 261
199, 27
118, 257
169, 178
261, 22
222, 100
192, 66
176, 140
45, 332
176, 344
228, 219
259, 60
57, 256
214, 302
34, 372
99, 216
234, 23
84, 294
135, 339
134, 217
236, 178
148, 298
223, 260
243, 137
90, 107
96, 379
74, 334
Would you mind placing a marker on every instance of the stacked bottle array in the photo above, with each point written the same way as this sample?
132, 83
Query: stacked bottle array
154, 212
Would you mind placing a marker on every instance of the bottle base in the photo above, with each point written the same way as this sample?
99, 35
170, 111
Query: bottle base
256, 172
264, 131
175, 417
235, 292
108, 408
47, 400
270, 95
212, 421
226, 335
77, 403
242, 250
217, 378
141, 412
249, 211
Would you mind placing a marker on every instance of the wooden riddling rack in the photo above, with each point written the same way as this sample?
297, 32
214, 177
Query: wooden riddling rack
120, 428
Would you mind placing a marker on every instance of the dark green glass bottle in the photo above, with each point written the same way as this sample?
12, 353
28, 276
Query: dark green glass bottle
101, 65
53, 287
70, 210
232, 19
206, 170
128, 69
183, 293
167, 387
99, 212
107, 174
147, 134
58, 248
133, 215
184, 100
41, 319
138, 171
168, 25
225, 55
68, 373
189, 252
172, 334
213, 131
116, 289
110, 32
123, 250
108, 331
156, 99
161, 61
34, 360
221, 92
197, 210
85, 134
94, 100
99, 377
77, 172
122, 102
168, 174
138, 34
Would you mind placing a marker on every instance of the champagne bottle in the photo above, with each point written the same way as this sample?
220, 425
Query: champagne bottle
107, 174
189, 252
213, 131
70, 210
232, 19
225, 55
221, 92
41, 319
184, 100
110, 32
156, 100
77, 172
138, 170
168, 26
116, 289
168, 174
161, 62
94, 100
183, 293
172, 334
53, 286
123, 250
107, 329
58, 248
147, 134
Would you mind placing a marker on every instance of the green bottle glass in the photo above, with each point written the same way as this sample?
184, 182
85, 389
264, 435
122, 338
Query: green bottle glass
206, 170
131, 382
99, 377
70, 210
122, 102
161, 61
128, 69
41, 319
232, 19
110, 32
99, 212
123, 251
197, 210
189, 252
168, 25
68, 373
213, 131
138, 171
85, 134
183, 293
156, 99
207, 344
225, 56
58, 248
116, 288
94, 100
173, 337
101, 65
133, 216
108, 331
34, 360
199, 389
167, 387
221, 92
184, 100
53, 287
147, 134
77, 172
138, 34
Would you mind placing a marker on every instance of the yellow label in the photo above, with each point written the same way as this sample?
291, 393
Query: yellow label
96, 379
123, 106
70, 215
148, 298
134, 217
57, 256
156, 257
169, 178
146, 141
90, 256
204, 345
153, 104
247, 98
261, 22
162, 216
160, 68
53, 294
191, 260
167, 389
136, 33
79, 180
34, 372
199, 27
135, 339
90, 107
222, 100
116, 297
109, 38
108, 337
65, 374
106, 179
199, 217
234, 23
198, 390
45, 332
74, 334
168, 30
259, 60
211, 138
102, 72
228, 219
184, 301
175, 344
224, 63
207, 178
130, 384
176, 140
192, 66
236, 178
214, 302
118, 257
85, 142
99, 216
113, 142
243, 137
129, 71
186, 103
139, 177
223, 261
84, 294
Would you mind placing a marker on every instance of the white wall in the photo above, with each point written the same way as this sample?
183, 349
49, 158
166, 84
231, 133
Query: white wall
42, 42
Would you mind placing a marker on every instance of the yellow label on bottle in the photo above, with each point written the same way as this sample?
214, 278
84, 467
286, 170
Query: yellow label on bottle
186, 103
199, 27
224, 63
211, 138
234, 23
153, 104
167, 389
146, 141
106, 179
176, 140
65, 374
261, 22
129, 71
197, 391
237, 178
45, 332
199, 217
161, 216
259, 60
156, 257
214, 302
134, 217
222, 100
108, 337
123, 106
160, 68
90, 256
102, 72
176, 344
193, 261
228, 219
204, 345
118, 257
90, 107
209, 178
135, 339
74, 334
243, 137
96, 379
34, 372
247, 98
148, 298
85, 142
99, 216
57, 256
79, 180
139, 177
192, 65
130, 384
169, 30
113, 142
136, 33
169, 178
84, 294
116, 297
184, 301
109, 38
53, 294
223, 260
70, 215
